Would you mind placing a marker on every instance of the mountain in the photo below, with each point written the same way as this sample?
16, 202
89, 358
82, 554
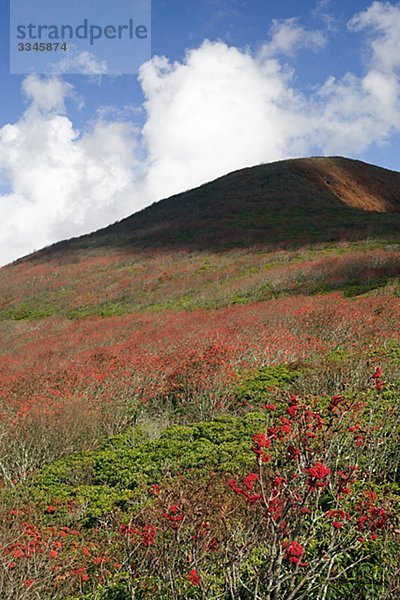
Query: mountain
211, 246
287, 204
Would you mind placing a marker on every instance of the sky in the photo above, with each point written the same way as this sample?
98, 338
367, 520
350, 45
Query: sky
228, 84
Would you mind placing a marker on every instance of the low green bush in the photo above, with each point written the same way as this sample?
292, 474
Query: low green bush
255, 387
115, 475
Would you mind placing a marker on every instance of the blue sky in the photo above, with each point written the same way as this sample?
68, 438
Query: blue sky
274, 80
181, 24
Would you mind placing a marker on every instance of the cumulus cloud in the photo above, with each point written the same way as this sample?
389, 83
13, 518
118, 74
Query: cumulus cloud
219, 109
62, 183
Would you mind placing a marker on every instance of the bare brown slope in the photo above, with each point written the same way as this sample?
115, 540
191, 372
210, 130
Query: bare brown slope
288, 203
355, 183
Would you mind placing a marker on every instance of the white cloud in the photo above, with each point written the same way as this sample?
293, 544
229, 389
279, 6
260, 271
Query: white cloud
365, 110
82, 63
348, 118
47, 94
288, 37
382, 21
322, 13
218, 110
62, 183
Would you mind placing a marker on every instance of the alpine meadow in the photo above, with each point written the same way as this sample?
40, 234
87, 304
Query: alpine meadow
202, 401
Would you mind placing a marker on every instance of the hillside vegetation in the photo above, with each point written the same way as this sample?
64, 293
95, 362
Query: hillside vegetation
202, 401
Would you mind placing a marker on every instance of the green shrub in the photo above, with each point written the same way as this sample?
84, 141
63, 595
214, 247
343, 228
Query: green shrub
113, 476
255, 386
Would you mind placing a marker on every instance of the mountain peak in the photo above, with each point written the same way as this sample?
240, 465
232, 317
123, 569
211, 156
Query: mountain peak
288, 203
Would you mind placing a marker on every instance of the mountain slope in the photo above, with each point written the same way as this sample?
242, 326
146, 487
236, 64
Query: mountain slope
147, 369
288, 203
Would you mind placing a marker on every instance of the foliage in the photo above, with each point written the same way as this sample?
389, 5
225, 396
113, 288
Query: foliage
257, 385
101, 481
128, 386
